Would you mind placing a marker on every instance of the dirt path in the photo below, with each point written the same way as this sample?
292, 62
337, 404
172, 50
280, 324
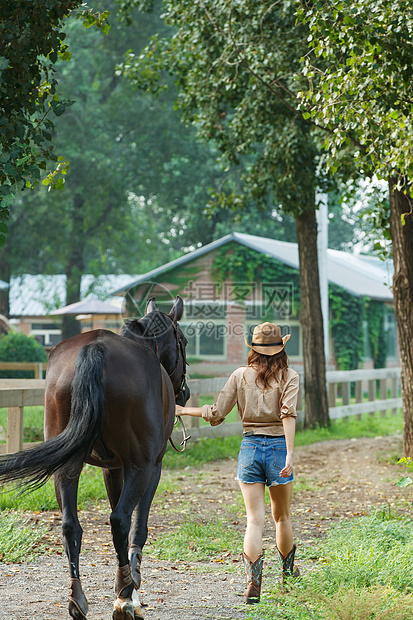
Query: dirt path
334, 480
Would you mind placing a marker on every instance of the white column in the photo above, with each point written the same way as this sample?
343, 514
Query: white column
322, 245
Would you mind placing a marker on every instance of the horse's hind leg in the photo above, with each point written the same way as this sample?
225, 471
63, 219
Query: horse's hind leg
66, 494
139, 530
114, 484
135, 483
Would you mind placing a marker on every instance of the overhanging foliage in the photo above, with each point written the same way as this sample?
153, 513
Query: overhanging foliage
31, 43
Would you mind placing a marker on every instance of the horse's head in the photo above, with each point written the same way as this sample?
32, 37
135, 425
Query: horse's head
162, 333
171, 344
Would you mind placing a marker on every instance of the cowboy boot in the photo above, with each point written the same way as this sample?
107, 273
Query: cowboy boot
253, 578
288, 570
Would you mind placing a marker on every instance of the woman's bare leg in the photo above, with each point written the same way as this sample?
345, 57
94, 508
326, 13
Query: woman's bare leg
281, 495
254, 499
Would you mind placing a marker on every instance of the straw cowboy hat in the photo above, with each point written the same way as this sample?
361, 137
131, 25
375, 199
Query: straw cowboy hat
267, 339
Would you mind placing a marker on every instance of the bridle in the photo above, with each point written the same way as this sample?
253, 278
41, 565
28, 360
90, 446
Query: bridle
180, 350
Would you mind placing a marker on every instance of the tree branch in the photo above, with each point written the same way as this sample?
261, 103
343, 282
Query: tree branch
268, 85
100, 220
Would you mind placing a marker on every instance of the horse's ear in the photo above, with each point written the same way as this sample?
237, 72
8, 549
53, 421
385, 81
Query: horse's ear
177, 309
151, 306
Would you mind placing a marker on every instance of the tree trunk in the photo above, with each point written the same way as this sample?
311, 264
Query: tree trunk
74, 269
311, 318
4, 296
402, 241
5, 275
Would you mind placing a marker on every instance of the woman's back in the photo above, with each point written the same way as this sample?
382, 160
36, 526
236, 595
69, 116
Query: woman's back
263, 408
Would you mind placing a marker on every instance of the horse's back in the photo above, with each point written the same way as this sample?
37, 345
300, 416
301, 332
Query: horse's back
139, 404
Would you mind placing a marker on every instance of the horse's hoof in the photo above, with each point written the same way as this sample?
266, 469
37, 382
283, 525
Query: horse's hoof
78, 606
75, 612
137, 604
125, 610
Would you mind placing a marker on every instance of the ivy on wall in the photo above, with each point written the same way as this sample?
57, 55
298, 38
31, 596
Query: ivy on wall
347, 312
177, 280
375, 312
346, 324
245, 266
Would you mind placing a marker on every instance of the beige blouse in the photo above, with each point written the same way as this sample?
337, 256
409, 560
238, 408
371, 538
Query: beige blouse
261, 411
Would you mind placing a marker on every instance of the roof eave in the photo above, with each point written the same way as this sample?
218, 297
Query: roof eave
177, 262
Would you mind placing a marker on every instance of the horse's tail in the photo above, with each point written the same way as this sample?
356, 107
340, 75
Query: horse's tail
69, 450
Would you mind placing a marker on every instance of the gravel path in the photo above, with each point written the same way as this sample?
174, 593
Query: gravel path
168, 591
335, 480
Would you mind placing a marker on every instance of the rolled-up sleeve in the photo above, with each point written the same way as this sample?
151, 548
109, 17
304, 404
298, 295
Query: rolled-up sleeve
227, 399
289, 398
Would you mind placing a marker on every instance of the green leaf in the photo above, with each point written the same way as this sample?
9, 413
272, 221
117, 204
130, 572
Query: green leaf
404, 482
59, 109
23, 160
4, 63
59, 184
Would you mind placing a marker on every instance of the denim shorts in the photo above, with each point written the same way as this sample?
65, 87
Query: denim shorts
261, 459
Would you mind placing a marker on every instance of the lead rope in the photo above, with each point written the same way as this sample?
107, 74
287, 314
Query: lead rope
185, 439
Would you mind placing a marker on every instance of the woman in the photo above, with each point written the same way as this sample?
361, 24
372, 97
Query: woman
265, 392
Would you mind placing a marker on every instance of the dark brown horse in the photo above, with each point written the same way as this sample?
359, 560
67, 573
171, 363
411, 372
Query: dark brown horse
109, 401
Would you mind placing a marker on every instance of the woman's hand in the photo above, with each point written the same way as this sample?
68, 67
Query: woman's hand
193, 411
288, 468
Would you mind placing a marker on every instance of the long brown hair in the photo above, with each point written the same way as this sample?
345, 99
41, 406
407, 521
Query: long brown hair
269, 367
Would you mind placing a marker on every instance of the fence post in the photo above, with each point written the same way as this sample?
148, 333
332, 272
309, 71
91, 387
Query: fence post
345, 392
359, 395
193, 422
372, 392
332, 394
383, 394
14, 429
394, 392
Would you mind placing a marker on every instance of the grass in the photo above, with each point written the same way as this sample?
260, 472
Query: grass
33, 416
353, 427
202, 451
198, 453
362, 572
370, 551
33, 423
196, 541
18, 540
91, 491
205, 450
346, 428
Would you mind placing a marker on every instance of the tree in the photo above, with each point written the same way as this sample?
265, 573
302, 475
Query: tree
235, 66
17, 347
137, 187
366, 96
31, 43
127, 179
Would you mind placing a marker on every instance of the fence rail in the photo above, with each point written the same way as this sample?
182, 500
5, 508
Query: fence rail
360, 386
37, 367
16, 394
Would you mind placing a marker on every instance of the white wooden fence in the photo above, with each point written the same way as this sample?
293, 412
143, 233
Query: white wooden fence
38, 368
351, 392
